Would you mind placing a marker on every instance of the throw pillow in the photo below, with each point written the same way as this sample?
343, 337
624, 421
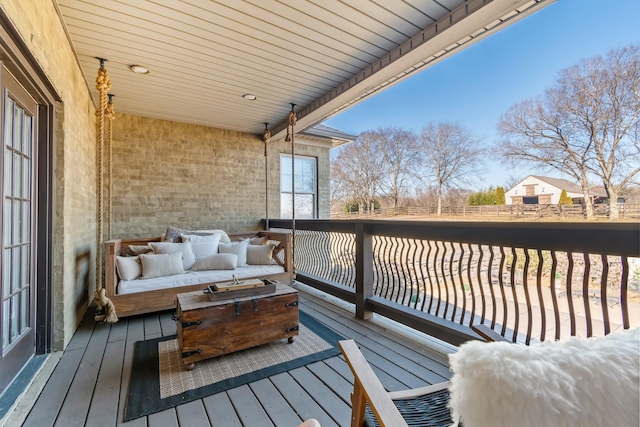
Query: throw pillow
238, 248
128, 267
216, 262
135, 250
224, 236
259, 254
188, 257
586, 382
173, 234
256, 240
160, 265
203, 246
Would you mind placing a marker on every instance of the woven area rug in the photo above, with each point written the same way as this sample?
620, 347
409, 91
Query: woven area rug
159, 380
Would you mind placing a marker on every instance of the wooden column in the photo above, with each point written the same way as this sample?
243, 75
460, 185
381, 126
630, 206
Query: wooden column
364, 270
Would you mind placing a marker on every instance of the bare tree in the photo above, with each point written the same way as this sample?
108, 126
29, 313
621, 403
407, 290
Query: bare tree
401, 156
586, 125
457, 196
338, 193
427, 197
603, 95
534, 132
452, 154
512, 181
358, 169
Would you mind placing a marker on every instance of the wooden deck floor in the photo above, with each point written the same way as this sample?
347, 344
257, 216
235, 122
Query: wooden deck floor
89, 385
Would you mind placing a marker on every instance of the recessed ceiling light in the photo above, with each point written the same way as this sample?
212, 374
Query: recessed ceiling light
139, 69
249, 97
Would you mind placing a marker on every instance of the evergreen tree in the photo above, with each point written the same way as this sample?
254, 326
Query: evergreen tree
483, 197
564, 199
500, 199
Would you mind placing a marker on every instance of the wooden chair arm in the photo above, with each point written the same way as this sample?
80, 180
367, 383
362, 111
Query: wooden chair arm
488, 334
417, 392
367, 388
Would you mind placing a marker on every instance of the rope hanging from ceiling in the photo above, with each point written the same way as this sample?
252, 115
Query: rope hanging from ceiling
105, 308
266, 138
291, 124
110, 114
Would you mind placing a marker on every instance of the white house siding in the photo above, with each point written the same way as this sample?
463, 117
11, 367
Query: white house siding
546, 193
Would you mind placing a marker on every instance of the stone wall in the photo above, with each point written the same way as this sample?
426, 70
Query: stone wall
75, 167
164, 172
194, 177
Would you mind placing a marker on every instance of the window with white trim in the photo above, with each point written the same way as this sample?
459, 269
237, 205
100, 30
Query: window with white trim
306, 182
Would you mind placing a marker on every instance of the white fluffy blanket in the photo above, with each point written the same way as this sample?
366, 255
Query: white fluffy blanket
574, 383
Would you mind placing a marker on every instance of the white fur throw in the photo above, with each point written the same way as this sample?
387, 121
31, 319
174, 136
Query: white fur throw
579, 382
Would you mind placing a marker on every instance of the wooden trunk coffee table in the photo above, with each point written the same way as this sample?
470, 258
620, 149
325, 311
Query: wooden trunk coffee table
207, 328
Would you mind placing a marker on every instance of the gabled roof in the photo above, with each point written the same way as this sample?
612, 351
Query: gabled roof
327, 133
569, 186
323, 56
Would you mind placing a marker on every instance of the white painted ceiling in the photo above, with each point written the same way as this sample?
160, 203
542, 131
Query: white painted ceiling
322, 55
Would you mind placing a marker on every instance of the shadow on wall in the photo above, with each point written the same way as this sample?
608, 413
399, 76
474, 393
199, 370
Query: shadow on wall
82, 295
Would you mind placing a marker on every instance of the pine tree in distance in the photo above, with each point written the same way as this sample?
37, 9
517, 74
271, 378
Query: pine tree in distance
564, 199
500, 199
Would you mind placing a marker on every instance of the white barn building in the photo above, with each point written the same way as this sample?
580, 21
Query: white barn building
544, 190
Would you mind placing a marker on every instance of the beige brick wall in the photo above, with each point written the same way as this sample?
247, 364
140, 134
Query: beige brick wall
165, 172
195, 177
75, 181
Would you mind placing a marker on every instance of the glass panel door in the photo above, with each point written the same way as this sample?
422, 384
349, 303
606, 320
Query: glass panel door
16, 227
17, 306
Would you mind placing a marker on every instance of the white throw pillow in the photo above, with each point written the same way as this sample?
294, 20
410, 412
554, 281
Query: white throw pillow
203, 246
128, 267
188, 257
259, 254
579, 382
160, 265
224, 237
238, 248
216, 262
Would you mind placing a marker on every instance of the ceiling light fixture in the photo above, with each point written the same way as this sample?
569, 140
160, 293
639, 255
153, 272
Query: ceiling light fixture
139, 69
249, 97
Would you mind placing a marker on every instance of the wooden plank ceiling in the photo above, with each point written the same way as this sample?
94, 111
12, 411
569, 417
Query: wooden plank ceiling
322, 55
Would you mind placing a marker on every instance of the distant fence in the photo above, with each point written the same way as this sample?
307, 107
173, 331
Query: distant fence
626, 211
376, 213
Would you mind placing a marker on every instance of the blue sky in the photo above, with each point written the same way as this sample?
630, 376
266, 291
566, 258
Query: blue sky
476, 86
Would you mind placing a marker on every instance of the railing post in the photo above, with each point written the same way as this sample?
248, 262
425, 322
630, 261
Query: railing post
364, 270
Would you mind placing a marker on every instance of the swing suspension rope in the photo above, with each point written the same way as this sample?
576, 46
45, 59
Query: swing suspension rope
290, 137
103, 84
266, 137
105, 111
110, 114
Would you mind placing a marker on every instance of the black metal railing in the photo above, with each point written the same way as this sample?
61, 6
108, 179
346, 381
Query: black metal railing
528, 281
